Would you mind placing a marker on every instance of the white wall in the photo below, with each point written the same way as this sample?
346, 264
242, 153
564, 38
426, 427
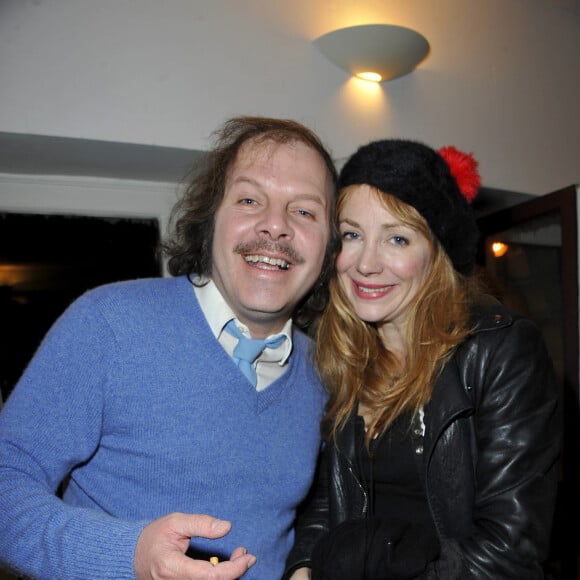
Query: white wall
502, 79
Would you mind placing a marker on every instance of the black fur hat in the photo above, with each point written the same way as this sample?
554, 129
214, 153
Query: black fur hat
439, 184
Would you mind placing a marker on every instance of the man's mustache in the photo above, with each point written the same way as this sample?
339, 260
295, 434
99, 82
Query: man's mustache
285, 250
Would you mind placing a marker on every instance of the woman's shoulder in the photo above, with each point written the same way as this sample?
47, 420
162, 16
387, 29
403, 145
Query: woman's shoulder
489, 313
495, 323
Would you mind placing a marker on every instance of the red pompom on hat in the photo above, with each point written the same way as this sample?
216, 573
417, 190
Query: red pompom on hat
463, 167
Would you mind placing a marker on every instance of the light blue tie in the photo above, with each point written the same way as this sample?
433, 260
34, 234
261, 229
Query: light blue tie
248, 350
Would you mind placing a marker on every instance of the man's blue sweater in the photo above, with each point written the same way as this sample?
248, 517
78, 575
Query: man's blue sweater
131, 393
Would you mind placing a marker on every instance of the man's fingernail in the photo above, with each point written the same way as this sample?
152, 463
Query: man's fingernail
251, 561
220, 525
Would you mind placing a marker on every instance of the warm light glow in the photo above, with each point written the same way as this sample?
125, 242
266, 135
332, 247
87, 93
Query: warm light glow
499, 249
27, 276
357, 94
370, 76
14, 274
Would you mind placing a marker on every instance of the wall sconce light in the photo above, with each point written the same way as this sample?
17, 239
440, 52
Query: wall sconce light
376, 52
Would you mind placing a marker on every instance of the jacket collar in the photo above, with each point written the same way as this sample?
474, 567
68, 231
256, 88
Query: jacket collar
489, 314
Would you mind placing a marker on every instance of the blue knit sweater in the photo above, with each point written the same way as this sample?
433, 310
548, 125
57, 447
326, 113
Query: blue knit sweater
132, 394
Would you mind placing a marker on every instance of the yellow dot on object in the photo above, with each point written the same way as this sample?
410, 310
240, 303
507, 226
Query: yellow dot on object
214, 560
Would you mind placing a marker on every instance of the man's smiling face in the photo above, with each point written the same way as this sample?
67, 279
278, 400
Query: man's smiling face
271, 231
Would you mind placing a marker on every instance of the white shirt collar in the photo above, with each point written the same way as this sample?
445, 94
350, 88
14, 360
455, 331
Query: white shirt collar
218, 314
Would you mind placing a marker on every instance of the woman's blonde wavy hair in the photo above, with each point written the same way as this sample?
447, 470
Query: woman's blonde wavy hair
354, 363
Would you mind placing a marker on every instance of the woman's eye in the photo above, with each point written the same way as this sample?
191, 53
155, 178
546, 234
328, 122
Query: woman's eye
399, 240
349, 236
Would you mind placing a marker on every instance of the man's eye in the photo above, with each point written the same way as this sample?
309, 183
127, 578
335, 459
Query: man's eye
305, 213
247, 201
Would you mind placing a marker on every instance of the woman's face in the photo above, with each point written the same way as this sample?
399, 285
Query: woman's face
383, 263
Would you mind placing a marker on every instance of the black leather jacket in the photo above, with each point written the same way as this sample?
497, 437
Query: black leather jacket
489, 460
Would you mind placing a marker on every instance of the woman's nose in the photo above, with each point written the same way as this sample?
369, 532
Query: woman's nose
369, 261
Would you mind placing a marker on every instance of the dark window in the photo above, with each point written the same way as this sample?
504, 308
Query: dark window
46, 261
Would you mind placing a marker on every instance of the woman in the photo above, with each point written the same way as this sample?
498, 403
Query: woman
442, 426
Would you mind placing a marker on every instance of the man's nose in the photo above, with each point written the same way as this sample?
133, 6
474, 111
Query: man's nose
275, 222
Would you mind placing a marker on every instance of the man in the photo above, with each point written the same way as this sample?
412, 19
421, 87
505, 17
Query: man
135, 401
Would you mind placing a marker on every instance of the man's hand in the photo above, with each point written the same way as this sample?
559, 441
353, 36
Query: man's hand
160, 551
